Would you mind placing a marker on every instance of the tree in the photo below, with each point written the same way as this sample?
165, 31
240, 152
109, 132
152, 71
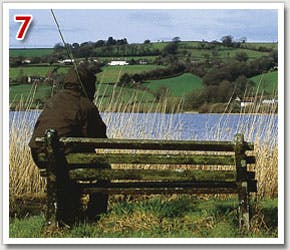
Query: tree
242, 84
111, 41
58, 47
242, 56
216, 75
176, 39
125, 79
227, 40
274, 55
21, 77
75, 45
225, 91
170, 48
243, 39
147, 41
100, 43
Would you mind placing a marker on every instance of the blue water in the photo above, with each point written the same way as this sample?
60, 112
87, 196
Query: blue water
177, 126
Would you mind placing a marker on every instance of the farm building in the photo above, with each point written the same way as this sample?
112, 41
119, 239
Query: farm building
248, 101
117, 63
26, 61
270, 101
143, 62
66, 61
34, 79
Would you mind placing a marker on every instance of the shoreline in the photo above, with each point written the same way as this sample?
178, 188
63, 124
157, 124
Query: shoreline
185, 112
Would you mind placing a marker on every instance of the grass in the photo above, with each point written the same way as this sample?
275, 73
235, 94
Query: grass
273, 45
150, 59
127, 97
158, 216
179, 86
31, 52
112, 74
267, 82
224, 53
34, 71
21, 92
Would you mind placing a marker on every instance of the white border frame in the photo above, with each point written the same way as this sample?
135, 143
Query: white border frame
278, 6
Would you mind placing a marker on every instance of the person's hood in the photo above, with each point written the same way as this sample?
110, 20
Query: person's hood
86, 80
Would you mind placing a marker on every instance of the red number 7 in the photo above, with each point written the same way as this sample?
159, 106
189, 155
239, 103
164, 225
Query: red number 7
26, 20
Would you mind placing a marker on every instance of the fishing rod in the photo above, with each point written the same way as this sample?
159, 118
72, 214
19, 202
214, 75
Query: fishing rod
69, 53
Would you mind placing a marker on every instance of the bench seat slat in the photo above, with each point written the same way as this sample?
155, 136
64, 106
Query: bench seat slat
92, 158
188, 190
88, 143
166, 187
149, 174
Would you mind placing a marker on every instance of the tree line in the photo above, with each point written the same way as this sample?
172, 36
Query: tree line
223, 81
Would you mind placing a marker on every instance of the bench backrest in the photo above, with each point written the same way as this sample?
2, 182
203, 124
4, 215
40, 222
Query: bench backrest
85, 166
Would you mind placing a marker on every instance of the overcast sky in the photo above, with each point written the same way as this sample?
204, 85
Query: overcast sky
139, 25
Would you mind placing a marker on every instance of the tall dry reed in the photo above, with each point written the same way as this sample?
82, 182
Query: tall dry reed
24, 177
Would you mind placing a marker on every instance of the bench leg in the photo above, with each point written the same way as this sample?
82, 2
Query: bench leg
51, 209
244, 207
98, 204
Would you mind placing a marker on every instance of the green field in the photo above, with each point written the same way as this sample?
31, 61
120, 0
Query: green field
112, 74
24, 92
107, 96
107, 92
34, 70
179, 86
257, 45
266, 82
30, 52
181, 216
223, 53
106, 59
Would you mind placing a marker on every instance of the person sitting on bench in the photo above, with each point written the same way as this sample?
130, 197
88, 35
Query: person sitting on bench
71, 113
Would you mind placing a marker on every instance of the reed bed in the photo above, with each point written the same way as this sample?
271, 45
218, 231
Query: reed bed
158, 120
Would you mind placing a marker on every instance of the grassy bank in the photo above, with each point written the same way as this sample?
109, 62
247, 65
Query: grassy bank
178, 86
112, 74
159, 217
152, 216
41, 70
267, 82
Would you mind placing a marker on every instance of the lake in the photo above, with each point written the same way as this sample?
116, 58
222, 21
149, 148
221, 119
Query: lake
176, 126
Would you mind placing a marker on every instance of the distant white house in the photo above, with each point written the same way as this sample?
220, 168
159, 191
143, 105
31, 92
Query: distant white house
67, 61
143, 62
26, 61
116, 63
269, 101
248, 101
34, 79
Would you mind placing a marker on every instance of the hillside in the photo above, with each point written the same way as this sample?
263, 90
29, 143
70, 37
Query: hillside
112, 74
106, 96
106, 93
194, 49
182, 67
20, 94
267, 82
179, 86
36, 70
30, 52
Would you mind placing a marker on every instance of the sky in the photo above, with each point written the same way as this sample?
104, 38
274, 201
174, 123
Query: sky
138, 25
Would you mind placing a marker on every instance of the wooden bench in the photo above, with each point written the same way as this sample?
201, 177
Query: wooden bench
226, 170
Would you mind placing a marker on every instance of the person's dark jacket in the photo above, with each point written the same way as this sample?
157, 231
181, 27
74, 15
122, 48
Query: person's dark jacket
70, 112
